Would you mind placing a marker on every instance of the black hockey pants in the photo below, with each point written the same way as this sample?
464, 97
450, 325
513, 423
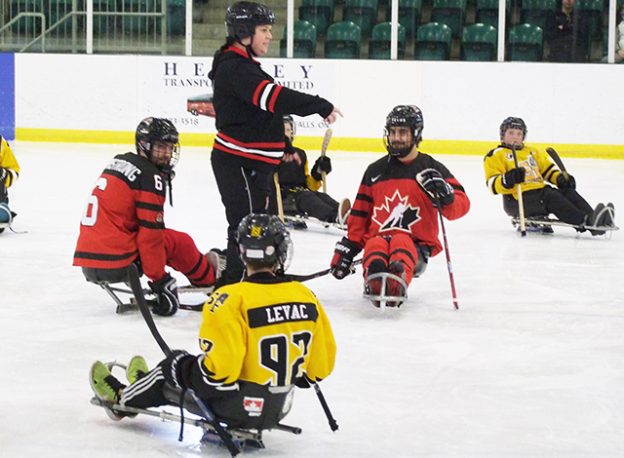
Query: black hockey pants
243, 190
566, 204
313, 203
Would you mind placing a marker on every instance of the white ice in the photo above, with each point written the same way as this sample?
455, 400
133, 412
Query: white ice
532, 364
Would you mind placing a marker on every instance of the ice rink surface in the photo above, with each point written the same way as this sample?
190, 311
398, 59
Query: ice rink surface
532, 365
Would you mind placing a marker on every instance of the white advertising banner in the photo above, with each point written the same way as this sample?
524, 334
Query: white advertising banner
461, 101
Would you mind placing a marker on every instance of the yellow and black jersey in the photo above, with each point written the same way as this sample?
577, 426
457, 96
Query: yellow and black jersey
8, 161
264, 330
294, 170
539, 169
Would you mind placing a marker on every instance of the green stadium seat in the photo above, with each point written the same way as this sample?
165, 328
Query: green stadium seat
379, 46
451, 13
487, 12
27, 25
362, 13
317, 12
343, 41
479, 43
137, 24
58, 10
409, 15
526, 43
104, 24
536, 12
176, 17
592, 10
304, 45
433, 42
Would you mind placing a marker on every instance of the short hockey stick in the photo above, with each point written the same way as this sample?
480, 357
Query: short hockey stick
333, 424
449, 266
135, 284
520, 201
278, 197
326, 139
555, 157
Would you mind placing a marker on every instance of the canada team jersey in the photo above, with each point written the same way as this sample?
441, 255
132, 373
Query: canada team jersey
264, 330
124, 218
391, 201
536, 163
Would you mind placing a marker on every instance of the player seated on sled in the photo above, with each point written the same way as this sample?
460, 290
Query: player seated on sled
395, 216
258, 338
537, 176
300, 188
9, 173
124, 221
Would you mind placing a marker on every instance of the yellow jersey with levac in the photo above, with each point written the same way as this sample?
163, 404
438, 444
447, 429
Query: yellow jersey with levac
537, 164
8, 161
265, 330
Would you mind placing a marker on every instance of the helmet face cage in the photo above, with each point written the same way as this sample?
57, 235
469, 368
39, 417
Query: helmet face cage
264, 241
151, 130
513, 123
404, 115
242, 18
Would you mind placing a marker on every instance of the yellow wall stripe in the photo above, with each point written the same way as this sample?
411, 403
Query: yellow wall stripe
465, 147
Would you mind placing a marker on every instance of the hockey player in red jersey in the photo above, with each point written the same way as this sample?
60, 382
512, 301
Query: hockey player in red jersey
124, 220
395, 214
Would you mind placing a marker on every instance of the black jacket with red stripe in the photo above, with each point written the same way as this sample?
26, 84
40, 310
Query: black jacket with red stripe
390, 201
250, 106
124, 218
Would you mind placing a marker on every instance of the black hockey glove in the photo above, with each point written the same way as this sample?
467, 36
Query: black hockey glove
176, 368
566, 181
514, 177
3, 174
166, 290
304, 382
341, 263
322, 164
436, 187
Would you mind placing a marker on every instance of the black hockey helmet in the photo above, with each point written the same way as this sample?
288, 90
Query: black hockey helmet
264, 241
513, 123
151, 130
404, 115
242, 18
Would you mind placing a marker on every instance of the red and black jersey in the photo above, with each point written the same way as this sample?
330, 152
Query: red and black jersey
390, 201
124, 218
249, 107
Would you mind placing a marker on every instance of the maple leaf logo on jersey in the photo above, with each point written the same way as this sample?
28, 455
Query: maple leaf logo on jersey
396, 213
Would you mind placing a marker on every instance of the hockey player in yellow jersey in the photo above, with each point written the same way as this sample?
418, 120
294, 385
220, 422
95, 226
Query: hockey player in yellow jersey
258, 338
537, 176
9, 172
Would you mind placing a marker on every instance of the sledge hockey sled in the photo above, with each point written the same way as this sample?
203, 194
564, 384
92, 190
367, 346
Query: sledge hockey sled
545, 225
114, 289
383, 300
300, 221
244, 417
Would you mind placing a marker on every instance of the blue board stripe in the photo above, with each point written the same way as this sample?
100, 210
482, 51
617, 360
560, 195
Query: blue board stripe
7, 95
